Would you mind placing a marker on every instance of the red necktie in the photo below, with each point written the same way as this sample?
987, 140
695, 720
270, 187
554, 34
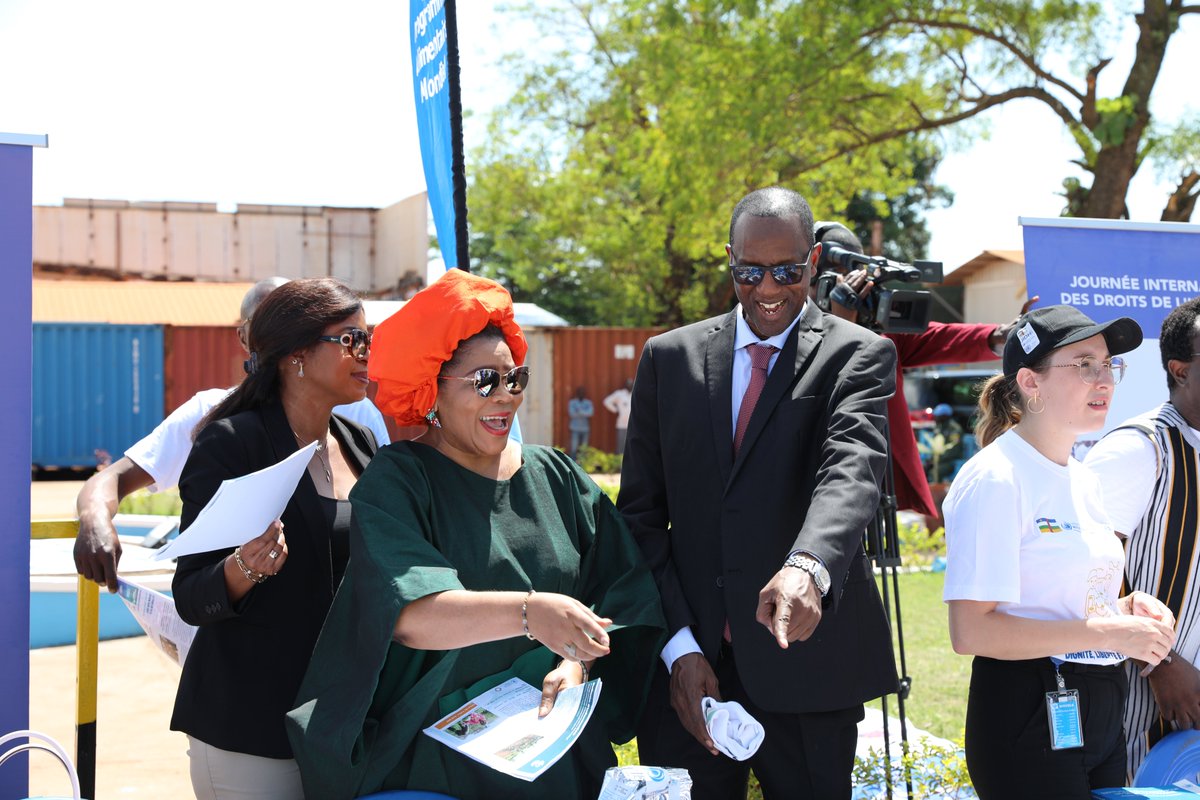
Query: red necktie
760, 358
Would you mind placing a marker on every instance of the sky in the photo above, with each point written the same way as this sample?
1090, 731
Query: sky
310, 103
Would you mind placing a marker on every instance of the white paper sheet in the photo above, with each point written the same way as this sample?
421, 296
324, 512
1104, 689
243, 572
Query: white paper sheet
241, 508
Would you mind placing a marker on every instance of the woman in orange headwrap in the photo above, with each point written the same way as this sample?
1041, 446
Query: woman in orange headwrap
474, 559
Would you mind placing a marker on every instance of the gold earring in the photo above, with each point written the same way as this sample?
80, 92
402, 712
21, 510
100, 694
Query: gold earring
1037, 398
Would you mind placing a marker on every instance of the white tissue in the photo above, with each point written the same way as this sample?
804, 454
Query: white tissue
734, 732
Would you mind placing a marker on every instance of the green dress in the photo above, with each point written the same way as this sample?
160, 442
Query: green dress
421, 525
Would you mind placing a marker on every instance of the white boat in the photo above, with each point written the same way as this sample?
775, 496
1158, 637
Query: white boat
53, 581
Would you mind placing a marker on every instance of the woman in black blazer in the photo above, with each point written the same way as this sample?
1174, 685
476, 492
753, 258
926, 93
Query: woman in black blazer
260, 606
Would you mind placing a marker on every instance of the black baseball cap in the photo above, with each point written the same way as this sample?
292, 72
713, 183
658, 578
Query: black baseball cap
1045, 329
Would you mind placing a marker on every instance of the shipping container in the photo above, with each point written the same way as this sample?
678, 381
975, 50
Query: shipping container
600, 360
370, 249
196, 358
96, 387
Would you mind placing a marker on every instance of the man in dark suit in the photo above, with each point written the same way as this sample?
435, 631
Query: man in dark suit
749, 477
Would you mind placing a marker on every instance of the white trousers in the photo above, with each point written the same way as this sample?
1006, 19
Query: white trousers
223, 775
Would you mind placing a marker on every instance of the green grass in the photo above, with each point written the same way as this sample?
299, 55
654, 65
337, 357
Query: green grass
938, 700
160, 503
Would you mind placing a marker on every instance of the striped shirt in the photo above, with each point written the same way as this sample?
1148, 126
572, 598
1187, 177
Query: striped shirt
1161, 557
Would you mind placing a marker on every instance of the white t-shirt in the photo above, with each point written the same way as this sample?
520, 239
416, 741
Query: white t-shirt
164, 451
1126, 463
618, 403
1032, 536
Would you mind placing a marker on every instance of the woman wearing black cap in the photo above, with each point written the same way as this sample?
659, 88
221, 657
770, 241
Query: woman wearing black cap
1034, 570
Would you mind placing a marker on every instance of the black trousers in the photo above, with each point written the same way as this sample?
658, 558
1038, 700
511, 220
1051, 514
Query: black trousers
803, 756
1008, 733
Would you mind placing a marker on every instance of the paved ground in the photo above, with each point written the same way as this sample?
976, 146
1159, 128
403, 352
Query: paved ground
137, 755
53, 499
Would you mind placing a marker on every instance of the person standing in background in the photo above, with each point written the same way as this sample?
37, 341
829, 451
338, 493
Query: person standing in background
259, 607
1148, 467
156, 461
580, 411
618, 403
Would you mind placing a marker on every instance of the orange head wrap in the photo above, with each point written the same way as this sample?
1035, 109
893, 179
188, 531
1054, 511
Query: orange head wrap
409, 347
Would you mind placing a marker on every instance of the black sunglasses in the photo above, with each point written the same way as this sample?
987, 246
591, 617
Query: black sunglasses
784, 274
356, 341
486, 380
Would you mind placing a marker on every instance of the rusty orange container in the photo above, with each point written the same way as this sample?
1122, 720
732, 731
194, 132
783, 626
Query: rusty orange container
197, 358
600, 360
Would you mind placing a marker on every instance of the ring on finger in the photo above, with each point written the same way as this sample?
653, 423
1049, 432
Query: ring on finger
273, 554
569, 649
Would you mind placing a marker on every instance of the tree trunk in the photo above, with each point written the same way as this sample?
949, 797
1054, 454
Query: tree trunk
1183, 200
1117, 163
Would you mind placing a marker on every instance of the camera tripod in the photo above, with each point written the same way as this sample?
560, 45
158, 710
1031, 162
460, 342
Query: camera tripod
882, 545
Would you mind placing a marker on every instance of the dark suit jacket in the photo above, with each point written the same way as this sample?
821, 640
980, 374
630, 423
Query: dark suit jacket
246, 663
715, 530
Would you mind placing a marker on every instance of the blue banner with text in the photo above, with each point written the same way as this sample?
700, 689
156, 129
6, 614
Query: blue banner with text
431, 91
1113, 269
1116, 268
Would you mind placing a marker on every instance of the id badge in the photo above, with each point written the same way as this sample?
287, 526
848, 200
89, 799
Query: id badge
1062, 711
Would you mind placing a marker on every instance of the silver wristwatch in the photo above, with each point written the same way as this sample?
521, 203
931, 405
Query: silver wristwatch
819, 574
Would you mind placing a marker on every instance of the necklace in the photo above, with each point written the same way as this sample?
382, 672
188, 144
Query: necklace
323, 460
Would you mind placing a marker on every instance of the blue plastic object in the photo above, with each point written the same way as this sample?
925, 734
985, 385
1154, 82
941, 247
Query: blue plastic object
1176, 756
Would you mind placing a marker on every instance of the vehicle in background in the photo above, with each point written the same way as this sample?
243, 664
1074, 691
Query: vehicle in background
925, 389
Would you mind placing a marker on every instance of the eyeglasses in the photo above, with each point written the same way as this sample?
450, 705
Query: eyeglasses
784, 274
356, 341
1090, 369
486, 380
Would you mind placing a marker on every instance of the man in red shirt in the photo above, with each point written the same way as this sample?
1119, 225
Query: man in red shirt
940, 343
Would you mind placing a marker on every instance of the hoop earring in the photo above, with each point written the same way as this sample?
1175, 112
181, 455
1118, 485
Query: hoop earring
1037, 398
432, 418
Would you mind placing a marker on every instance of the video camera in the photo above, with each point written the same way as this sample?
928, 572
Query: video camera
882, 310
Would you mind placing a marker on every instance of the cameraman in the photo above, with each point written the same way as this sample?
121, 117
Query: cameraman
940, 343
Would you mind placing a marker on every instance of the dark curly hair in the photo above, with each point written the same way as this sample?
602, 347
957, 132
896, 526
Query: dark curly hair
1178, 330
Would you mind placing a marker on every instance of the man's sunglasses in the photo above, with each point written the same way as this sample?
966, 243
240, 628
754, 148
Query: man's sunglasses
356, 341
784, 274
486, 380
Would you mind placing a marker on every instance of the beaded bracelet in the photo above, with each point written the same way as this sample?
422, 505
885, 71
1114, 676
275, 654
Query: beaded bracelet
251, 574
582, 666
525, 616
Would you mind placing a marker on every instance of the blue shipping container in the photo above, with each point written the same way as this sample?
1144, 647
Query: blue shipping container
95, 387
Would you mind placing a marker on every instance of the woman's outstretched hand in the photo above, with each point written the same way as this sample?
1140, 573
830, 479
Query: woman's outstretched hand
566, 626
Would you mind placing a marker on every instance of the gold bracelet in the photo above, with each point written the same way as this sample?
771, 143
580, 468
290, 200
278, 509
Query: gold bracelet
525, 616
252, 575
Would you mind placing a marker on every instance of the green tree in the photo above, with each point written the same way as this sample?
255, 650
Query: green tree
903, 230
989, 53
608, 179
612, 172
